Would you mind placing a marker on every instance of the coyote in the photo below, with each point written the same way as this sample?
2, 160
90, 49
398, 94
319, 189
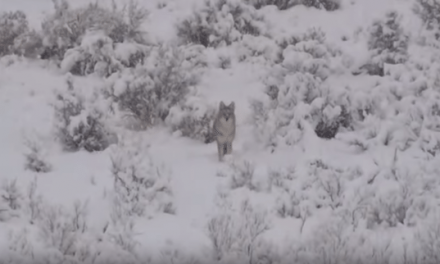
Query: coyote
224, 129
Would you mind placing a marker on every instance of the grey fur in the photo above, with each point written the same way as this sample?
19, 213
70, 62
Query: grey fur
224, 129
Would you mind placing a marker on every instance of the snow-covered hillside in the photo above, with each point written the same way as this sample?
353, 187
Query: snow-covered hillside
106, 144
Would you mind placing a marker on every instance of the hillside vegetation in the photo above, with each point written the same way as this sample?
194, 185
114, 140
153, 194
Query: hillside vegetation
107, 153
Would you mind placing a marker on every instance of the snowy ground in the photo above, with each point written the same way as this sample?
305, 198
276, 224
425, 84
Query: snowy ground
367, 185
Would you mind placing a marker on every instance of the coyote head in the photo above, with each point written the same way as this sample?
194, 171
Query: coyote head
226, 111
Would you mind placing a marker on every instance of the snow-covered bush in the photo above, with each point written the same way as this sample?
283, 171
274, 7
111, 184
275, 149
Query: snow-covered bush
78, 124
193, 120
302, 104
298, 96
428, 11
61, 229
388, 43
94, 54
130, 54
334, 241
11, 199
59, 234
148, 92
409, 197
220, 22
172, 254
97, 53
12, 25
141, 186
65, 28
398, 109
300, 195
193, 116
335, 232
235, 233
28, 44
20, 247
241, 174
428, 134
281, 4
329, 5
337, 240
35, 159
288, 200
389, 210
308, 52
16, 37
329, 183
34, 202
66, 237
257, 49
428, 240
196, 128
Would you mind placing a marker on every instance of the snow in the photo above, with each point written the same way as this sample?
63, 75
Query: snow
383, 166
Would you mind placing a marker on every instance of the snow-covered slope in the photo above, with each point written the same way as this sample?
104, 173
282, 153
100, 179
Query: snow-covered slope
370, 194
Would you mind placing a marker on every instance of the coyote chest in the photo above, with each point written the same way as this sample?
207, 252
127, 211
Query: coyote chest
225, 128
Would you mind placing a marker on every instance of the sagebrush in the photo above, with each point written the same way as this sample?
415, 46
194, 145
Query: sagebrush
77, 125
211, 25
65, 28
147, 93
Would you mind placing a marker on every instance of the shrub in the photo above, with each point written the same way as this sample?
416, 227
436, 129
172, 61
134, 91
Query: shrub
98, 53
193, 122
34, 202
298, 95
389, 210
20, 246
427, 239
330, 180
59, 232
147, 93
302, 94
242, 175
130, 54
79, 126
300, 195
28, 44
329, 5
65, 28
35, 159
95, 54
257, 49
196, 128
141, 187
11, 194
63, 232
220, 22
428, 11
388, 43
11, 199
308, 52
12, 25
193, 117
172, 254
235, 234
280, 4
66, 237
289, 202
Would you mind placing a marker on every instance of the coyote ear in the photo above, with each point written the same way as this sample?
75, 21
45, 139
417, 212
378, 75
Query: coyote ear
232, 105
222, 105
